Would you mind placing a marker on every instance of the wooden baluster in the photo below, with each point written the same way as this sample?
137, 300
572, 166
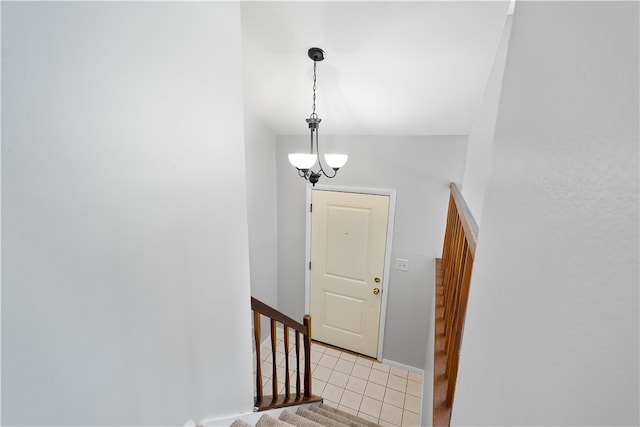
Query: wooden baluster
307, 356
451, 354
256, 336
447, 233
287, 386
451, 380
446, 253
274, 376
448, 266
459, 251
452, 238
297, 365
455, 303
464, 298
449, 271
449, 283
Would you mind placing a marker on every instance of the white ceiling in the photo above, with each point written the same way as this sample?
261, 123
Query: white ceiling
390, 68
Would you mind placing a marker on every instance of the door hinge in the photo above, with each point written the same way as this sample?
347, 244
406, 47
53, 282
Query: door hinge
310, 207
309, 265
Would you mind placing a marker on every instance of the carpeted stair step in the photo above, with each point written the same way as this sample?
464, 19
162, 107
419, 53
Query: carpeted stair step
297, 420
240, 423
344, 421
320, 419
315, 416
268, 421
324, 409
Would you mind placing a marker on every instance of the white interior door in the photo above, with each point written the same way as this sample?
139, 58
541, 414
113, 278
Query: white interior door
348, 238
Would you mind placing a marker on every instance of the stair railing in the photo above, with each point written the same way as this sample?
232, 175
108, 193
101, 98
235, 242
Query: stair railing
302, 332
453, 277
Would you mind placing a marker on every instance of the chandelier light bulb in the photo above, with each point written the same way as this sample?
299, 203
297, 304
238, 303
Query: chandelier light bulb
336, 161
303, 161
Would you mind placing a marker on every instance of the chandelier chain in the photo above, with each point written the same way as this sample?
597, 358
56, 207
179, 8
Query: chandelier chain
313, 113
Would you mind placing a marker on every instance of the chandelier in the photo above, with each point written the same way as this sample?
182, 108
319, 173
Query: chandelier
304, 162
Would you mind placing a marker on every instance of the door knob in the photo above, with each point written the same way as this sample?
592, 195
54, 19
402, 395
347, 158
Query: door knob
376, 291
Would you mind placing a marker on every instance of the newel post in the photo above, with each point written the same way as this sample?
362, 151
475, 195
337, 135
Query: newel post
306, 321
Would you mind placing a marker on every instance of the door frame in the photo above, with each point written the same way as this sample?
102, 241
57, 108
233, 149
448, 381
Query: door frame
387, 250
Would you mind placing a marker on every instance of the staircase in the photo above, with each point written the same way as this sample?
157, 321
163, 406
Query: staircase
453, 279
315, 416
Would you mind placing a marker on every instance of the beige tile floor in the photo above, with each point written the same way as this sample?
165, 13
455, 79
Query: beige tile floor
381, 393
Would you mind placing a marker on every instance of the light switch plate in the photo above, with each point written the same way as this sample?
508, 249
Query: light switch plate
402, 264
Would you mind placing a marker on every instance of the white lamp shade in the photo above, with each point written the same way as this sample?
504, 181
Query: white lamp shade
336, 161
303, 161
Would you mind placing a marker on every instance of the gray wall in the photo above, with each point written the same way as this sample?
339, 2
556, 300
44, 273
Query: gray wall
476, 170
420, 169
551, 335
260, 154
124, 226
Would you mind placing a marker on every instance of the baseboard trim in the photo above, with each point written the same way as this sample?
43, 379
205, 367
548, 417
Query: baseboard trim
403, 366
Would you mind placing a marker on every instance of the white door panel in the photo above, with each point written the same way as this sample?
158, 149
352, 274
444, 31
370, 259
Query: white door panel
348, 237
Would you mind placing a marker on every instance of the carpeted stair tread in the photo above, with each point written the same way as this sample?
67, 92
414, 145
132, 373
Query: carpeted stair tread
268, 421
297, 420
320, 419
314, 416
240, 423
339, 418
344, 414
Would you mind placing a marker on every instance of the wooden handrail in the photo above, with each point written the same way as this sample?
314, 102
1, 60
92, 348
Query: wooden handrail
453, 277
466, 218
268, 311
303, 394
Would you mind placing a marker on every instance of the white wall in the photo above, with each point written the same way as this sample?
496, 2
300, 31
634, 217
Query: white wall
260, 153
124, 224
476, 170
420, 169
551, 335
